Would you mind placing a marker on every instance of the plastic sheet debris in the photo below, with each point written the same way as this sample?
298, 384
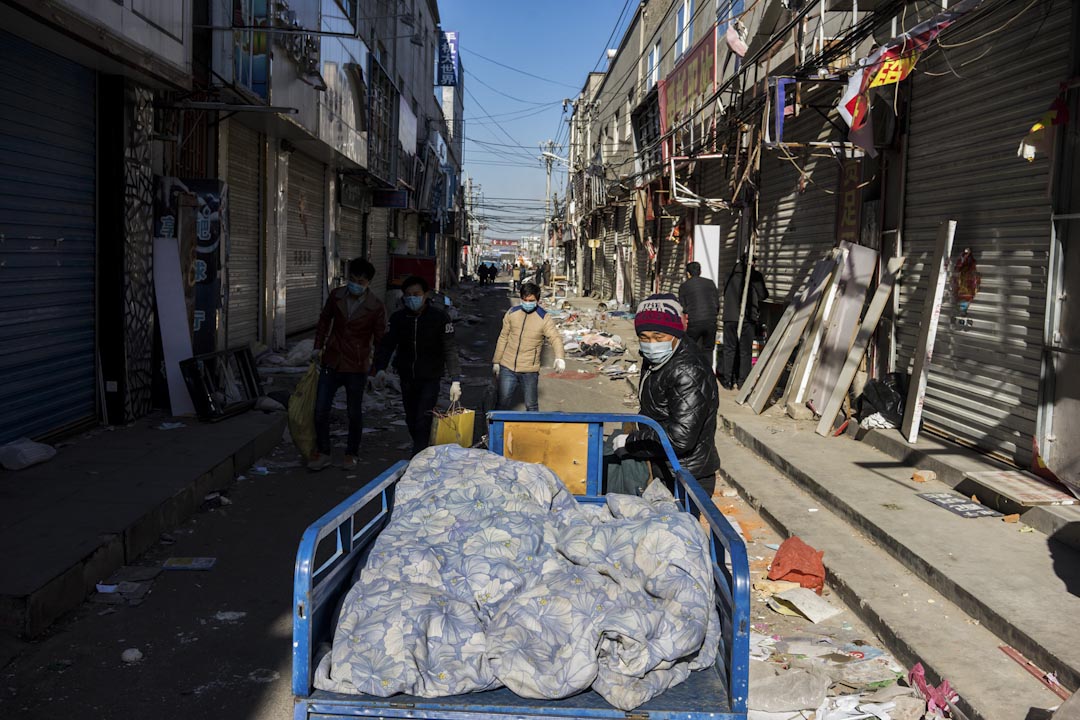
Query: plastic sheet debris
259, 470
268, 404
798, 562
775, 690
170, 426
852, 707
937, 698
23, 453
300, 353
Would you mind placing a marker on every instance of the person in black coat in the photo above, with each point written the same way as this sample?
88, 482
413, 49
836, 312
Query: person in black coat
423, 337
678, 391
738, 350
701, 303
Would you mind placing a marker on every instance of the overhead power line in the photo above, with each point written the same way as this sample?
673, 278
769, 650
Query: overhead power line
519, 70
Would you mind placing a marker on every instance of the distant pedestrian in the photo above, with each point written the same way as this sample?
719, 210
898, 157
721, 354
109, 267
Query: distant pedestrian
421, 340
516, 277
545, 274
701, 303
738, 350
351, 323
677, 390
517, 353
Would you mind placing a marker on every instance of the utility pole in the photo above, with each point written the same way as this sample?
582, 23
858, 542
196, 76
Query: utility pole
547, 154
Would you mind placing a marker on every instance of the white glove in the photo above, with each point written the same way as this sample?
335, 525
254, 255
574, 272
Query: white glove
380, 379
455, 391
618, 442
495, 369
560, 365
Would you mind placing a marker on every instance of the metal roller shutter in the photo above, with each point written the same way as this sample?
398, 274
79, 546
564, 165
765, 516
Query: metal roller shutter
626, 244
245, 234
672, 270
350, 237
984, 379
47, 222
714, 185
608, 264
304, 263
378, 250
796, 226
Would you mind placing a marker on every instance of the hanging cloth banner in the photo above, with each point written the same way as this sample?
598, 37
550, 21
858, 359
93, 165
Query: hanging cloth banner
1040, 138
893, 62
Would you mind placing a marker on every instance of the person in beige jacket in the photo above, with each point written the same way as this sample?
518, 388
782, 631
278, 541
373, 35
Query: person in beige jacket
517, 354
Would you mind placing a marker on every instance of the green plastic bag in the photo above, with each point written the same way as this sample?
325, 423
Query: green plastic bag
302, 412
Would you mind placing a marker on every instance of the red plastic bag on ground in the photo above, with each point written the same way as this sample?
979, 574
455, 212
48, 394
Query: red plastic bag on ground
796, 561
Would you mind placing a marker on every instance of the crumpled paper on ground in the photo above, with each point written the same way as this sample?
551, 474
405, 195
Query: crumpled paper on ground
773, 690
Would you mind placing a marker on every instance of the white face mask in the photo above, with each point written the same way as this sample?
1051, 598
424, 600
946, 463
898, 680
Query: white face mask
656, 352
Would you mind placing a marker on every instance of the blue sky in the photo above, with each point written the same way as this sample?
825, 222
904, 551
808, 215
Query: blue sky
559, 40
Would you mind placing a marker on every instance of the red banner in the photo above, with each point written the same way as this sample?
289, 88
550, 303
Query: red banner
691, 82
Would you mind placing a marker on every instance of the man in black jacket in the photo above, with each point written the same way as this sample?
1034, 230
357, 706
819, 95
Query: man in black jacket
701, 303
678, 391
734, 373
423, 336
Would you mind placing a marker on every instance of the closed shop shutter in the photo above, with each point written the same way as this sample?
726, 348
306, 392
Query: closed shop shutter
626, 244
378, 249
609, 262
714, 185
796, 218
350, 236
245, 234
304, 267
47, 221
984, 380
672, 269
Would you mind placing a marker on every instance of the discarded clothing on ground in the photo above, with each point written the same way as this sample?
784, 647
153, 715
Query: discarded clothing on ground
490, 573
885, 396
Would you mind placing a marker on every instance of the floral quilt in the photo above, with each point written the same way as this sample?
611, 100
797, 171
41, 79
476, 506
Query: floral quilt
491, 574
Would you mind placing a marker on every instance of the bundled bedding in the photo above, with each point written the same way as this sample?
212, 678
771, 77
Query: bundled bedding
491, 574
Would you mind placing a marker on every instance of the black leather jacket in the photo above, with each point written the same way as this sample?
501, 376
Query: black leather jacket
681, 396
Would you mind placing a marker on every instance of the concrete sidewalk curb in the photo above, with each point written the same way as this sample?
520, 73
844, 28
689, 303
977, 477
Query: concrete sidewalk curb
950, 462
888, 597
31, 614
1044, 646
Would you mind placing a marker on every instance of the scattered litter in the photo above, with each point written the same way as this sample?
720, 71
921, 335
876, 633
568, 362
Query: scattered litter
268, 404
937, 698
259, 470
224, 500
300, 354
806, 603
1026, 529
23, 453
1015, 517
774, 587
798, 562
921, 476
166, 539
105, 588
171, 426
730, 493
811, 510
131, 655
851, 707
772, 546
229, 616
189, 563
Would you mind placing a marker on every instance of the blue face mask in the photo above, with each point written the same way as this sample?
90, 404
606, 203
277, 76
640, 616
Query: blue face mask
656, 353
413, 302
528, 305
356, 288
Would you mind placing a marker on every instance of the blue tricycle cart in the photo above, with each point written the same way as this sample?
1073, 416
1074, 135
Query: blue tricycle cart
333, 546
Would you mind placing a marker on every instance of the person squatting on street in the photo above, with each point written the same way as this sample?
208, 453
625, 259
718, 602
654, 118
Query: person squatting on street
351, 323
701, 303
736, 369
678, 391
517, 353
423, 336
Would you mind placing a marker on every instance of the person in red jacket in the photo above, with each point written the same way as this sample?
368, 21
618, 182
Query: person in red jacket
352, 322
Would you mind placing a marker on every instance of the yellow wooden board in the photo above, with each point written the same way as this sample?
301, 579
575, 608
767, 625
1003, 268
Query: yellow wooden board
562, 447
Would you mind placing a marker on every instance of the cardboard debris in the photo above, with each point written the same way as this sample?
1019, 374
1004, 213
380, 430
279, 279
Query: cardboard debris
1015, 517
774, 587
806, 603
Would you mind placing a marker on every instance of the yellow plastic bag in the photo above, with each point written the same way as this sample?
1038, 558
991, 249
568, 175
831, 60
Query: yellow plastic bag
453, 427
302, 412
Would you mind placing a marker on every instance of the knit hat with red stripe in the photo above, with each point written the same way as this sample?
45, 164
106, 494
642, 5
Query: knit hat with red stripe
660, 313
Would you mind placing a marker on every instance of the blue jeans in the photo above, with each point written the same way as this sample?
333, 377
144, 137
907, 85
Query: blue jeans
508, 384
329, 381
